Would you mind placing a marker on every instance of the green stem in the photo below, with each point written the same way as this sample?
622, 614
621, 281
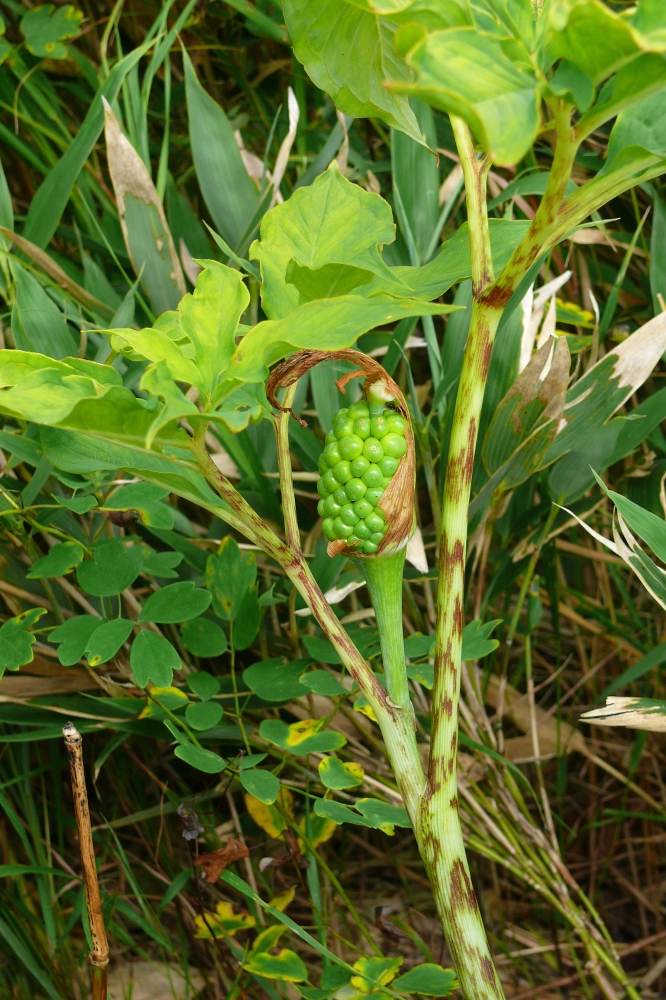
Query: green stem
383, 575
397, 730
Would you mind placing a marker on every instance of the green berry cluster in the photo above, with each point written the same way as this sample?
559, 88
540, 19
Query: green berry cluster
361, 456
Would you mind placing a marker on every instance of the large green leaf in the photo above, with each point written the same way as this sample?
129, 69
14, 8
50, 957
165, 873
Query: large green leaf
37, 323
332, 221
195, 343
348, 52
467, 72
327, 324
638, 138
230, 195
595, 38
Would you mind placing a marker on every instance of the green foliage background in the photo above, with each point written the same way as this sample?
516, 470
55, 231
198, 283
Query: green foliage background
211, 701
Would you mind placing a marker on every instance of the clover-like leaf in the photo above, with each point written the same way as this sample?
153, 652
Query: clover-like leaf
114, 567
16, 642
45, 28
263, 785
301, 737
428, 979
177, 602
203, 684
153, 658
60, 561
204, 715
335, 773
106, 640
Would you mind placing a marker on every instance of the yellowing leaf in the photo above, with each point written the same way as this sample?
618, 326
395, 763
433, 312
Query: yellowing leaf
300, 731
285, 966
224, 922
282, 901
382, 970
169, 697
270, 818
363, 705
321, 830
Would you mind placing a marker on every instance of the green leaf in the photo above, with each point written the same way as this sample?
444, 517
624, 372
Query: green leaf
467, 72
246, 626
80, 505
209, 318
285, 966
41, 326
114, 567
262, 784
322, 682
229, 576
203, 684
16, 642
73, 637
153, 658
379, 969
177, 602
300, 738
371, 812
653, 659
589, 35
348, 52
160, 564
61, 560
273, 680
144, 498
382, 816
106, 640
637, 139
203, 760
51, 198
230, 195
44, 31
658, 253
475, 639
648, 526
332, 221
327, 324
204, 714
428, 979
320, 650
203, 638
337, 774
416, 176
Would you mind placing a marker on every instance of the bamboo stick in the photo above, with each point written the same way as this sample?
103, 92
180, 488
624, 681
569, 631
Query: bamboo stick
99, 955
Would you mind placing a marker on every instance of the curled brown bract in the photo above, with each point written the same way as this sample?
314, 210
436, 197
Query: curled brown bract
397, 503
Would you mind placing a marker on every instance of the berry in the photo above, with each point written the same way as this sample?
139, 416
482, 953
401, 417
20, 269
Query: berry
361, 455
373, 450
373, 477
350, 447
393, 445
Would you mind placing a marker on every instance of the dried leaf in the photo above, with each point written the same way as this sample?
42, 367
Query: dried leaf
214, 862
